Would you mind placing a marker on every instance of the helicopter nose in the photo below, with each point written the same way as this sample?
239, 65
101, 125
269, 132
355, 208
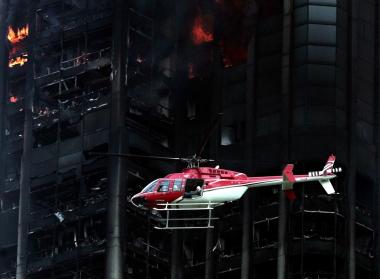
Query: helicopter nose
138, 201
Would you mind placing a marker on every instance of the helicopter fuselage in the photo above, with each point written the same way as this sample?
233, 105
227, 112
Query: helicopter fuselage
213, 185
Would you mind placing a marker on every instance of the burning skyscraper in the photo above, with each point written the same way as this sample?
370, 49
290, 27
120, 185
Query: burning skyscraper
295, 80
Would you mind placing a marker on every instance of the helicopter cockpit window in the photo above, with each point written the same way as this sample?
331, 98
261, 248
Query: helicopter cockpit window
177, 186
164, 186
150, 187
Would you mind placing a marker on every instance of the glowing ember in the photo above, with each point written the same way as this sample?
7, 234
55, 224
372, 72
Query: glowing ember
13, 99
19, 60
234, 55
19, 35
199, 33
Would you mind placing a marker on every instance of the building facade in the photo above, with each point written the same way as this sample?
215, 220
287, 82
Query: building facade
295, 80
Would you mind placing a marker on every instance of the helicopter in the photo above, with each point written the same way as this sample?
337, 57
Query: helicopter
213, 185
198, 188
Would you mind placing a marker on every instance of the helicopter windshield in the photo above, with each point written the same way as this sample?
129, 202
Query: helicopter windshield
150, 187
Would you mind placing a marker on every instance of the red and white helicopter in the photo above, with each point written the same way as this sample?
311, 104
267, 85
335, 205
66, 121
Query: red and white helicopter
204, 188
206, 185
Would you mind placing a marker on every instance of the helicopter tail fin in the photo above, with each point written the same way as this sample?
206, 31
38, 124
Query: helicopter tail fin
328, 167
327, 170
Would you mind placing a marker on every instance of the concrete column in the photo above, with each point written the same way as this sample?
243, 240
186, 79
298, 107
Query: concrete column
182, 14
285, 132
118, 143
3, 82
377, 135
282, 236
351, 116
26, 160
177, 255
248, 230
247, 236
3, 95
210, 255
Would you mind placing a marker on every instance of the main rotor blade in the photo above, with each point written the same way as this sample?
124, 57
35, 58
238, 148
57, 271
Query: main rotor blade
137, 156
213, 126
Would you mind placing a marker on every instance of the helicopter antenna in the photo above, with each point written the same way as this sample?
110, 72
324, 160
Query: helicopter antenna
211, 130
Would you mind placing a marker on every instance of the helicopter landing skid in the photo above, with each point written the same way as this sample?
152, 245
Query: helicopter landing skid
177, 216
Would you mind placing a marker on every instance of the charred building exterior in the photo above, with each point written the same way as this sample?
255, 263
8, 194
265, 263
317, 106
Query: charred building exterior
295, 80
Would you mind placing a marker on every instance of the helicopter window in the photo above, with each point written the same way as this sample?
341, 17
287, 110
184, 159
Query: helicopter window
177, 186
164, 186
150, 187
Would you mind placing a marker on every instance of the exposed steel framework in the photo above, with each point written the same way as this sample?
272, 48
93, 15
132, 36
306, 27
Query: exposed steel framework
296, 72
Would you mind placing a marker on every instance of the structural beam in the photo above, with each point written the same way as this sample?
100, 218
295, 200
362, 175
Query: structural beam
282, 236
352, 85
26, 160
176, 270
248, 228
246, 250
3, 82
285, 132
3, 95
210, 254
377, 138
116, 205
181, 144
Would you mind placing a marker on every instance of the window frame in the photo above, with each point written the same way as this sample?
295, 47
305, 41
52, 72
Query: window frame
161, 184
176, 187
150, 187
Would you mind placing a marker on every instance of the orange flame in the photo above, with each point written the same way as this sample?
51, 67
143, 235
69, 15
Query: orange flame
199, 33
17, 36
19, 60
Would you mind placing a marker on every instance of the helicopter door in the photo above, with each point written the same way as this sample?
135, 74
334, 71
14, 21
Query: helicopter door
193, 188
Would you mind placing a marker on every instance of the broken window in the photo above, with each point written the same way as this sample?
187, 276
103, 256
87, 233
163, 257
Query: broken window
70, 129
9, 200
364, 241
266, 233
73, 53
67, 239
45, 136
41, 245
48, 18
96, 182
94, 230
49, 60
319, 225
